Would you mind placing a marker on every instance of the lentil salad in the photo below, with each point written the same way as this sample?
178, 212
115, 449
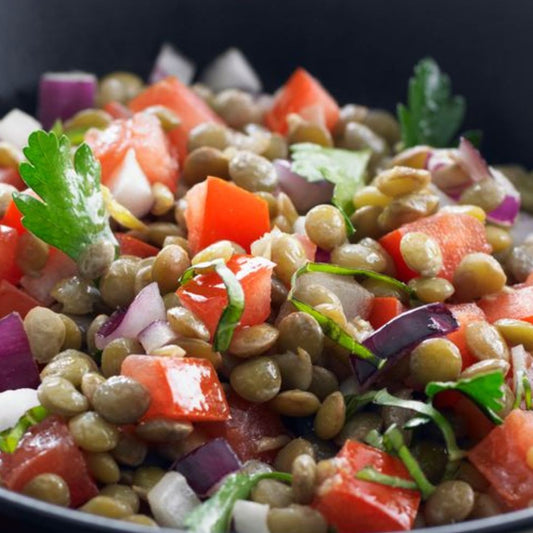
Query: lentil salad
277, 313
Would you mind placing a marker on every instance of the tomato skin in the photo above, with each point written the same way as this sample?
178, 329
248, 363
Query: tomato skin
187, 105
456, 234
516, 303
355, 506
144, 134
48, 447
248, 424
206, 296
219, 210
132, 246
9, 269
501, 458
300, 94
180, 388
14, 299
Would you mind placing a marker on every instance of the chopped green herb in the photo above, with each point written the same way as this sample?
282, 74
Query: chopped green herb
70, 213
344, 168
10, 438
375, 439
214, 515
484, 390
232, 313
432, 115
354, 403
369, 473
393, 441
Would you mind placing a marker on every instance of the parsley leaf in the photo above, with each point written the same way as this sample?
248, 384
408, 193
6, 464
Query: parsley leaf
344, 168
432, 115
70, 213
484, 390
9, 438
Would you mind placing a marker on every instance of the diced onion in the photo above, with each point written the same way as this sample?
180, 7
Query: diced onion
157, 334
16, 126
250, 516
14, 403
170, 62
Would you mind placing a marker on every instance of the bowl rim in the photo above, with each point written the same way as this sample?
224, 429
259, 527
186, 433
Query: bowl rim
32, 510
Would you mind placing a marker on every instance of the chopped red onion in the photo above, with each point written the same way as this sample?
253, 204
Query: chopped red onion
207, 465
17, 367
231, 70
16, 126
250, 516
507, 212
304, 194
322, 256
63, 94
157, 334
147, 307
401, 335
522, 228
14, 403
471, 160
170, 62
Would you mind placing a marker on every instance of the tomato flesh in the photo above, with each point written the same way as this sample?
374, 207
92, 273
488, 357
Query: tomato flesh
9, 269
206, 296
515, 302
14, 299
48, 447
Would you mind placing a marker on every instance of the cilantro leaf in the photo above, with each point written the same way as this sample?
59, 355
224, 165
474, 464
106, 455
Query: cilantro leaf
344, 168
70, 213
9, 438
432, 115
484, 390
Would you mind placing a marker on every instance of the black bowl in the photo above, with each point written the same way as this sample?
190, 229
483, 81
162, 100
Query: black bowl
363, 52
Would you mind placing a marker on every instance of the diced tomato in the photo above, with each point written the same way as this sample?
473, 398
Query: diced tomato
501, 458
351, 505
132, 246
13, 218
248, 426
218, 210
181, 388
513, 302
117, 110
11, 176
457, 235
206, 296
302, 94
188, 106
464, 314
144, 134
48, 447
384, 308
8, 255
529, 279
13, 299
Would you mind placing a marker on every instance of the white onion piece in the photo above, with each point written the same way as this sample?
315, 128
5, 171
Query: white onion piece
355, 300
522, 228
471, 160
518, 358
14, 403
63, 94
250, 516
130, 186
171, 500
304, 194
170, 62
231, 70
157, 334
147, 307
299, 226
16, 126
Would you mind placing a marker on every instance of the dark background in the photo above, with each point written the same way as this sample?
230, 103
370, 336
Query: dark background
363, 51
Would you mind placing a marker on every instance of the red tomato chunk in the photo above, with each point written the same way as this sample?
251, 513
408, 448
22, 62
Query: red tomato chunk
180, 388
48, 447
355, 506
502, 458
206, 296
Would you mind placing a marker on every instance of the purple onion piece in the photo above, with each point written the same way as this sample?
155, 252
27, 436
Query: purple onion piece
17, 367
400, 336
471, 160
63, 94
506, 212
207, 465
112, 323
322, 256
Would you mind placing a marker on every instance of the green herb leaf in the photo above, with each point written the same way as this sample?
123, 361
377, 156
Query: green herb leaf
375, 439
70, 213
382, 397
432, 115
369, 473
214, 515
232, 313
10, 438
344, 168
393, 441
485, 390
